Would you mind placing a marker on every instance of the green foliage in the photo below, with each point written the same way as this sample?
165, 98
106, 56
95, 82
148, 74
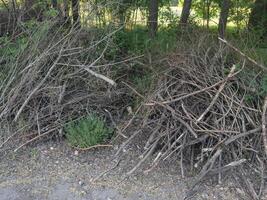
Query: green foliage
87, 132
9, 51
239, 12
137, 41
12, 48
51, 13
143, 83
166, 16
206, 10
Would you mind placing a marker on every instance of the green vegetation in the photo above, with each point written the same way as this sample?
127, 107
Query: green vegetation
87, 132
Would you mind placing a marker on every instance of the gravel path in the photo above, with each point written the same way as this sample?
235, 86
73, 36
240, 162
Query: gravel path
54, 171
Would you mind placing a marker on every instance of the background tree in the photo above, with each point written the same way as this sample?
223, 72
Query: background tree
258, 16
225, 6
153, 17
185, 12
75, 6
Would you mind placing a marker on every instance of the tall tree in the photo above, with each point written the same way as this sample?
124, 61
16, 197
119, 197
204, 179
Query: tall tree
225, 7
258, 15
185, 12
153, 17
76, 13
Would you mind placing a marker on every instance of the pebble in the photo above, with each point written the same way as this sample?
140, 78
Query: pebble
76, 153
80, 183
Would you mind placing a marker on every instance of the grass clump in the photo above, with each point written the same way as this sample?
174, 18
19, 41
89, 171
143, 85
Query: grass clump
88, 131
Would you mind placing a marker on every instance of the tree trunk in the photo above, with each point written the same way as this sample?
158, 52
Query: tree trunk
54, 4
258, 15
185, 12
76, 13
225, 7
153, 17
208, 13
66, 9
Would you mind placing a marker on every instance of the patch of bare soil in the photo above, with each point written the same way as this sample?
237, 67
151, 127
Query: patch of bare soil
55, 171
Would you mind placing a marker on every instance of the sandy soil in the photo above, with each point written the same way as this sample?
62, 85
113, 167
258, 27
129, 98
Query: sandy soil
53, 170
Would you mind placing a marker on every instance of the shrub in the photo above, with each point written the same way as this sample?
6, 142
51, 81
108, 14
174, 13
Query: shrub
86, 132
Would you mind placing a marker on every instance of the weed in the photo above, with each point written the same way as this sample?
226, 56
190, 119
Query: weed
88, 131
34, 153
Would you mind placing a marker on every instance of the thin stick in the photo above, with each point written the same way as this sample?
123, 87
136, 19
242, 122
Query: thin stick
187, 95
92, 147
107, 171
143, 160
264, 131
115, 125
126, 142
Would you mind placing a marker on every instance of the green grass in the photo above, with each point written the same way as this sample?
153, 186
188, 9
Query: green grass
88, 131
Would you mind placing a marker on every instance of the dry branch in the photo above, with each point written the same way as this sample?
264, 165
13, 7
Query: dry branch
264, 123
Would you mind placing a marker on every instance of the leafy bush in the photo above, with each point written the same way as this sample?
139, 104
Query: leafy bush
87, 132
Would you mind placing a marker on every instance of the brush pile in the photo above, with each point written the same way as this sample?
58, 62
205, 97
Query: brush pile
60, 75
200, 113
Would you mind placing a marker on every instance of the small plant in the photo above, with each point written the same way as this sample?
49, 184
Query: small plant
87, 132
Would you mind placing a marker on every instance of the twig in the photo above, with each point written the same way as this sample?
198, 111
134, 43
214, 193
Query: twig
92, 147
11, 136
127, 141
232, 139
134, 90
107, 171
143, 159
115, 125
187, 95
264, 131
110, 81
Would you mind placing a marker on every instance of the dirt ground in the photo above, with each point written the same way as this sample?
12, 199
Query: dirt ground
52, 170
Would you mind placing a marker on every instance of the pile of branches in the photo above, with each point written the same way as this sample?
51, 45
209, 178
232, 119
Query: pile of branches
61, 75
199, 113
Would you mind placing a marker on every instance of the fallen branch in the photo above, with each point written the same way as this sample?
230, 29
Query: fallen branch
110, 81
